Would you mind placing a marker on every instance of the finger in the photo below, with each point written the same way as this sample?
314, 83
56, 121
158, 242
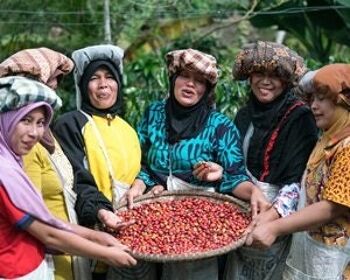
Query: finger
123, 225
249, 240
198, 170
203, 174
198, 164
157, 190
130, 201
254, 209
132, 261
250, 228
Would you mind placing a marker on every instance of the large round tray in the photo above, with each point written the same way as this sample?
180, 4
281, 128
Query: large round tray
173, 195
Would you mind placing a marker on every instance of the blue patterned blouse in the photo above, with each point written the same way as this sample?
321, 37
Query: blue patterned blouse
218, 142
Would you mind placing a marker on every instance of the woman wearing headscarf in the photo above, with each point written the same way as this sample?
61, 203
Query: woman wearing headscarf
103, 149
187, 144
279, 133
321, 246
45, 164
27, 226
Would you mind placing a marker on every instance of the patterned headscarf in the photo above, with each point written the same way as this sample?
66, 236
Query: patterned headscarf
41, 64
17, 91
193, 60
269, 57
187, 122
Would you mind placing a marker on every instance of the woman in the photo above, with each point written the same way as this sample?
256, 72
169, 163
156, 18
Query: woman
321, 248
45, 164
103, 149
27, 226
186, 144
279, 133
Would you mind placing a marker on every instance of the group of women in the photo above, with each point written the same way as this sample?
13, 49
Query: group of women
51, 181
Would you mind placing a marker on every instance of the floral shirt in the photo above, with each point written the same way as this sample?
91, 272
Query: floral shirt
286, 202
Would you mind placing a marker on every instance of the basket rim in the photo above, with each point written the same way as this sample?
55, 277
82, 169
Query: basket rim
165, 195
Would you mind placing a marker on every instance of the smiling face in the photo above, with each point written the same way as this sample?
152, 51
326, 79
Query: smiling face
189, 88
323, 109
102, 89
28, 131
266, 86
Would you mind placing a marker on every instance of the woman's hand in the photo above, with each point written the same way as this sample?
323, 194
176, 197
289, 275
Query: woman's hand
115, 256
207, 171
138, 187
258, 202
262, 236
157, 190
111, 221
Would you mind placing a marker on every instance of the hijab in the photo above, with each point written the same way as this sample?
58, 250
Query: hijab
90, 70
13, 179
334, 81
186, 122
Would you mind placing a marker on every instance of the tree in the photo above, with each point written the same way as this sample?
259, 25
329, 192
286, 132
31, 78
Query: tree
318, 24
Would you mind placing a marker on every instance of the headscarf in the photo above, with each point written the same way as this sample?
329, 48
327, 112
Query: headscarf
334, 81
12, 176
269, 57
84, 83
100, 55
187, 122
42, 64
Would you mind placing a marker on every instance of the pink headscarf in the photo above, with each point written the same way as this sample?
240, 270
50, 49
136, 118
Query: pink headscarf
12, 177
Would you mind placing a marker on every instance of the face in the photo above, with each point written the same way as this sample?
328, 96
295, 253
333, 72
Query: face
102, 89
323, 109
28, 131
266, 87
189, 88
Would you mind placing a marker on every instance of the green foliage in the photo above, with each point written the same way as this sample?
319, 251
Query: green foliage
318, 30
148, 29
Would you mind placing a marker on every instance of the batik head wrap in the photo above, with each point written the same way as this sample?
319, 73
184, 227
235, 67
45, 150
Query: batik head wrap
271, 58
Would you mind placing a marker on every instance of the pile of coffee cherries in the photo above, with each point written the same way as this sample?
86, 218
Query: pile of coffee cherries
182, 226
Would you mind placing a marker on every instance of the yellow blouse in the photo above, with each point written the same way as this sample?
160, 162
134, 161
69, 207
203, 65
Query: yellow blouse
38, 167
123, 149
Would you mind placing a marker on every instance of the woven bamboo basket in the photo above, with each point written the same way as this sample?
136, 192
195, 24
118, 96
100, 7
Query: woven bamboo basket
173, 195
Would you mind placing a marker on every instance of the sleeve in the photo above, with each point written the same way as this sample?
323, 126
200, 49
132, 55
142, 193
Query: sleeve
13, 215
287, 199
142, 131
337, 188
33, 166
67, 130
230, 156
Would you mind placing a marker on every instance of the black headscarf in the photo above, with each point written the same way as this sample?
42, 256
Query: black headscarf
186, 122
90, 70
